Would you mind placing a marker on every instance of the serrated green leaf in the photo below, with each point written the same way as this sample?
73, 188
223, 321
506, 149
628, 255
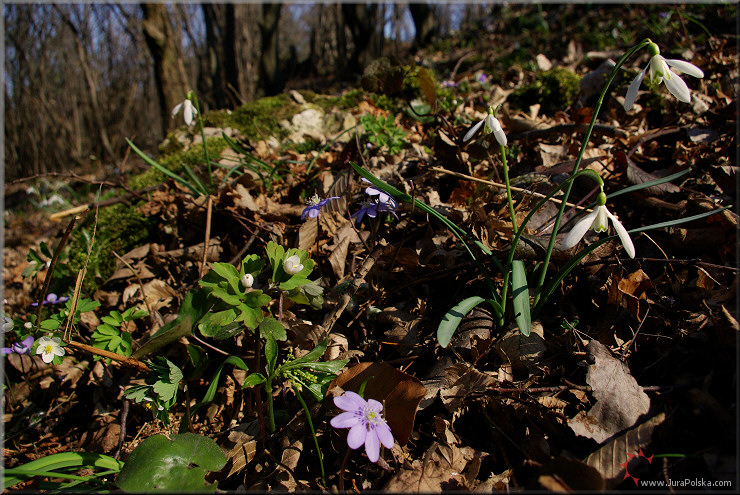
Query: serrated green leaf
210, 324
293, 282
520, 295
454, 316
106, 329
110, 320
251, 317
252, 264
113, 343
228, 272
276, 255
272, 327
229, 298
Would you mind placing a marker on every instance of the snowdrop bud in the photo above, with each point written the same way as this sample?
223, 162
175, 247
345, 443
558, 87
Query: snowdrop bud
292, 265
247, 280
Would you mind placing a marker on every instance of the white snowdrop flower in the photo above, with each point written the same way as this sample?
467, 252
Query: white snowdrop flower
188, 110
292, 265
658, 70
49, 347
490, 125
247, 280
599, 221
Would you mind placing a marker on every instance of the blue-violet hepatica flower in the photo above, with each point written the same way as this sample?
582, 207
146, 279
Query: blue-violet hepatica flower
658, 70
22, 347
292, 265
599, 221
188, 110
314, 206
366, 424
490, 125
367, 207
49, 347
52, 298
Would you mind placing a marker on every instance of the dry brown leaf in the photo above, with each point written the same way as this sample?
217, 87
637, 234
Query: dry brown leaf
610, 459
463, 379
620, 400
522, 352
307, 234
444, 467
338, 256
240, 447
566, 475
399, 392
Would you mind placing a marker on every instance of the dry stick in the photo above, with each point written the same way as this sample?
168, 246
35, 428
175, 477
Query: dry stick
209, 209
122, 434
119, 358
343, 468
49, 273
562, 128
57, 217
369, 262
502, 186
141, 285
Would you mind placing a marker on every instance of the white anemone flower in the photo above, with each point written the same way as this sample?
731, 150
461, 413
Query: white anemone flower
292, 265
48, 348
659, 72
490, 125
188, 110
247, 280
599, 221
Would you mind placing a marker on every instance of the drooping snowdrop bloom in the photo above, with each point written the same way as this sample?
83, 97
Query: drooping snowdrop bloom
490, 125
6, 324
366, 424
658, 70
314, 206
599, 221
49, 347
22, 347
292, 265
188, 110
247, 280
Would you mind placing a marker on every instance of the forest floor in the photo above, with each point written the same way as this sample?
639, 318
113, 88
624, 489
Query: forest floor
628, 378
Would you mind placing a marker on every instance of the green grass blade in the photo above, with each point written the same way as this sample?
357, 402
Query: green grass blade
198, 188
520, 296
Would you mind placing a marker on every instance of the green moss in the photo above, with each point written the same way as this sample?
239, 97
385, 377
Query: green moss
554, 89
120, 228
260, 119
346, 101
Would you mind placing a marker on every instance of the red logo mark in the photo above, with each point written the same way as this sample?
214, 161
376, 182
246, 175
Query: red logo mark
639, 455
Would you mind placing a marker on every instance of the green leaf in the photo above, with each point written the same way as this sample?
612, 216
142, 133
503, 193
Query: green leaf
253, 380
271, 352
111, 320
270, 326
295, 281
228, 298
211, 391
312, 356
454, 316
105, 329
228, 272
251, 317
276, 255
326, 366
60, 462
520, 295
210, 324
198, 188
176, 465
252, 264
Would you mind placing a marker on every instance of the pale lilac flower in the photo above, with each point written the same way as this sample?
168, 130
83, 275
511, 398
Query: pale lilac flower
367, 207
449, 83
51, 298
366, 424
599, 221
490, 125
23, 347
314, 206
49, 347
482, 78
659, 72
384, 202
292, 265
188, 110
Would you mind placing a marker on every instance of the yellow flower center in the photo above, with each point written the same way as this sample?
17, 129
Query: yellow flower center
48, 349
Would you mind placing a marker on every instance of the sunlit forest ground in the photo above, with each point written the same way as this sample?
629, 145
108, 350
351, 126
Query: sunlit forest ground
224, 305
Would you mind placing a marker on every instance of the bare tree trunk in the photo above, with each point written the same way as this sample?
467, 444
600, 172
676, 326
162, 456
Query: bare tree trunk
91, 86
169, 71
424, 22
271, 80
362, 22
220, 76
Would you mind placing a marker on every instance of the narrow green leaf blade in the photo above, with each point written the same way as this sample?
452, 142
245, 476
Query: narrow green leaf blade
454, 316
520, 294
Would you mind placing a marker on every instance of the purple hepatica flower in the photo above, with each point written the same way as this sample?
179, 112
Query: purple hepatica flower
314, 206
23, 347
482, 78
366, 424
369, 208
52, 298
374, 191
449, 84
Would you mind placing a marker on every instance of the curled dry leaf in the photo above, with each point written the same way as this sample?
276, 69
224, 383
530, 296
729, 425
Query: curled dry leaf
520, 351
620, 400
610, 459
399, 392
462, 380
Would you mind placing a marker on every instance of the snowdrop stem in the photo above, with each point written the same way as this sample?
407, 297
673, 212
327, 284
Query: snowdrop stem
313, 432
199, 115
508, 187
586, 138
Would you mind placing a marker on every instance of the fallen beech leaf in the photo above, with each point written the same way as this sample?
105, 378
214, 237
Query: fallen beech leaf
567, 475
399, 392
620, 400
462, 380
610, 459
522, 352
